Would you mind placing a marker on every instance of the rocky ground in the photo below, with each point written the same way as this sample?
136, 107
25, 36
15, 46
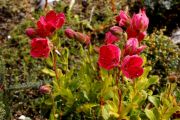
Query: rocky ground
12, 12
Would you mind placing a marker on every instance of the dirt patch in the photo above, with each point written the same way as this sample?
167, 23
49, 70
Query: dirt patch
12, 13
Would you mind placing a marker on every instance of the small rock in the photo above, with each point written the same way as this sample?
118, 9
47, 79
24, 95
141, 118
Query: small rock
22, 117
176, 36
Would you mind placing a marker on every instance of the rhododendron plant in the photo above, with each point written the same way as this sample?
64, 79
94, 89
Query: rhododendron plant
101, 81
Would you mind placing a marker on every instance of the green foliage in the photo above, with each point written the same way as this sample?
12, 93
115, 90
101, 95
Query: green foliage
2, 111
162, 54
164, 105
85, 92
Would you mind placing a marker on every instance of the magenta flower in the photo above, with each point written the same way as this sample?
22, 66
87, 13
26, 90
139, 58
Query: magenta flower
109, 56
40, 48
110, 38
48, 24
131, 47
132, 66
123, 19
140, 21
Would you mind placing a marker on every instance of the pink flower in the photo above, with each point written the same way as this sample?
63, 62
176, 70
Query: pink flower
70, 33
116, 30
140, 21
110, 38
109, 56
48, 24
40, 48
132, 66
131, 47
141, 36
123, 19
31, 32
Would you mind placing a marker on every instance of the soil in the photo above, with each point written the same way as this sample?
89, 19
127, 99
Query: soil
12, 12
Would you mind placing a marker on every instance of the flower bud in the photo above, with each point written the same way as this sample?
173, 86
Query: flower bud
123, 19
82, 38
69, 33
115, 30
172, 78
45, 89
140, 21
31, 32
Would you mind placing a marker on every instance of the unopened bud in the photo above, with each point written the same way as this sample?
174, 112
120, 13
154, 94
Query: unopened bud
45, 89
172, 78
70, 33
82, 38
115, 30
30, 32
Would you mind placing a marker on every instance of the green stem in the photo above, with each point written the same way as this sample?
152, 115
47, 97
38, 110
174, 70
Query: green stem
119, 91
53, 105
54, 65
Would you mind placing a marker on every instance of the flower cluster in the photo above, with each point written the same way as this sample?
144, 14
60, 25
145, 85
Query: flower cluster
128, 61
136, 26
46, 25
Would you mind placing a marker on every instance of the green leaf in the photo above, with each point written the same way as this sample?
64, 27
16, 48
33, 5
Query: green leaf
49, 72
150, 114
48, 101
49, 62
146, 71
170, 111
86, 107
154, 100
152, 80
105, 112
144, 59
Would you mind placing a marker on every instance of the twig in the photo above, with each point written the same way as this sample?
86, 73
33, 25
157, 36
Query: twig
92, 11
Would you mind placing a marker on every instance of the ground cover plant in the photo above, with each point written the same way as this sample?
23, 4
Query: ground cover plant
98, 70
